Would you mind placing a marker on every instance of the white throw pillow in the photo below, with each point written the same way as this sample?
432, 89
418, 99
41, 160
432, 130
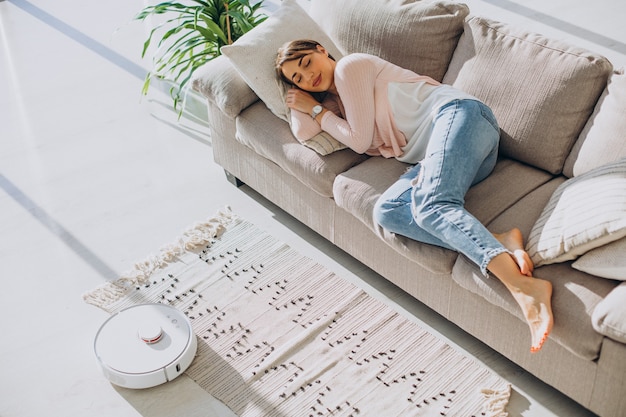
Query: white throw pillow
608, 261
254, 55
583, 213
603, 140
609, 316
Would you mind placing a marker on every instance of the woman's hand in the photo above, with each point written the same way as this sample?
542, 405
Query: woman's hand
300, 100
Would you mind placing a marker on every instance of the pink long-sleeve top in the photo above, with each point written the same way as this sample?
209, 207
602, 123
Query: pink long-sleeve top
366, 121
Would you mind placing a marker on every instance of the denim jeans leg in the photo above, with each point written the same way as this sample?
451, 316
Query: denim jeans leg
462, 146
393, 211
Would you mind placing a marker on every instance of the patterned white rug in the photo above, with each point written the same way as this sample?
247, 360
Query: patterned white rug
280, 335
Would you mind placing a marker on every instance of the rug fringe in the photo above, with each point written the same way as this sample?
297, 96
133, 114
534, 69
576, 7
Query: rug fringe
200, 234
496, 401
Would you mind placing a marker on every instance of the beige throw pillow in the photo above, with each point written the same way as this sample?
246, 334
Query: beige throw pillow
608, 261
416, 35
541, 90
254, 54
217, 81
583, 213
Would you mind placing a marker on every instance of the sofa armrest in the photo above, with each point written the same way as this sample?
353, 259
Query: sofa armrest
220, 83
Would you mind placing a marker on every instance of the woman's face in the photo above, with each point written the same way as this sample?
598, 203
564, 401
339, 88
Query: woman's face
314, 72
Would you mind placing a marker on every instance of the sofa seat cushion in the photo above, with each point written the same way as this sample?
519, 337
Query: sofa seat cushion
358, 189
540, 114
417, 35
575, 293
271, 138
509, 182
574, 299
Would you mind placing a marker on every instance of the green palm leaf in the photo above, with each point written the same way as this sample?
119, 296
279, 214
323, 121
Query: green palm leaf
192, 34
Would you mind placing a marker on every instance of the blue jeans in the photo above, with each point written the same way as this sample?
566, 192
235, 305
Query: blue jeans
427, 202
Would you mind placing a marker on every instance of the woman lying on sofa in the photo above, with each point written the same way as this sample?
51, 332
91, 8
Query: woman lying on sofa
450, 137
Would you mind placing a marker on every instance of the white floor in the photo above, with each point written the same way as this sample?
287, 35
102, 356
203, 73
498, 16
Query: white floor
93, 177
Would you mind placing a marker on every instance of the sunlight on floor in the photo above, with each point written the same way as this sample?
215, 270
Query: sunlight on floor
94, 177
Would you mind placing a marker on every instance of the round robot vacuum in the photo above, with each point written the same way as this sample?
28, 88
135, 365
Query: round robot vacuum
145, 345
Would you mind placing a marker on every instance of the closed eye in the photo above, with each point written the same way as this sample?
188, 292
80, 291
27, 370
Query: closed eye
296, 78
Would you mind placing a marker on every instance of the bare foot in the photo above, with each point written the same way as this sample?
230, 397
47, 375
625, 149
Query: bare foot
514, 242
533, 295
535, 301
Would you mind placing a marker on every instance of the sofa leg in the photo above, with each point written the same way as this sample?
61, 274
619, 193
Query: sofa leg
233, 180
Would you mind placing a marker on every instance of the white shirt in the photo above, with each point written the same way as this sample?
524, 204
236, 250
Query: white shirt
414, 106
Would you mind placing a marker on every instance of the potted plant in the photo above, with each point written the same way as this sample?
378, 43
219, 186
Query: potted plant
191, 35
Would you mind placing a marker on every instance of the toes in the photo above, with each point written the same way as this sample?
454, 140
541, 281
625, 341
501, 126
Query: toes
537, 348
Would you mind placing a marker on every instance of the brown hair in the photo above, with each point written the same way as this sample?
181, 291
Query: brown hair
294, 50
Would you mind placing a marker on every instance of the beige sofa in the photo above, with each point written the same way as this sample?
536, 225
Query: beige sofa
560, 177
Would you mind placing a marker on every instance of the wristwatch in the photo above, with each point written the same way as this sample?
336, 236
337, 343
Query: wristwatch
316, 111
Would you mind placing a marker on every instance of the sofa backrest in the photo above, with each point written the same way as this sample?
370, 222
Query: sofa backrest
417, 35
542, 91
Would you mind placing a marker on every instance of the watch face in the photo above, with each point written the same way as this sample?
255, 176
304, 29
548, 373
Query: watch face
316, 110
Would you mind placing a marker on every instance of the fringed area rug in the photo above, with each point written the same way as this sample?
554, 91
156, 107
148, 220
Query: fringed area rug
280, 335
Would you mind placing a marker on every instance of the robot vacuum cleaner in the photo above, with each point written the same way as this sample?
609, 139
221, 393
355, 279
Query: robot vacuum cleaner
145, 345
